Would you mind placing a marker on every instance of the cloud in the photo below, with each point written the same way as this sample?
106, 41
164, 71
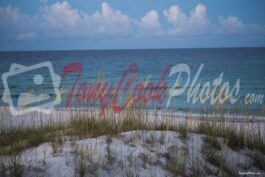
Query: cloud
175, 16
231, 24
60, 15
60, 21
194, 24
197, 24
9, 14
199, 12
109, 21
150, 24
14, 24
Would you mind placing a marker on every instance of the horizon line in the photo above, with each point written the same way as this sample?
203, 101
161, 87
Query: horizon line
108, 49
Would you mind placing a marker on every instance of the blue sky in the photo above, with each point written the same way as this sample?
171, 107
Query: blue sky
119, 24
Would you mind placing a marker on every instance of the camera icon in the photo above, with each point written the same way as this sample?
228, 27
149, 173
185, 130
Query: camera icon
31, 88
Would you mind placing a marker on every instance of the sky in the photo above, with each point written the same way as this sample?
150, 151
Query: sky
130, 24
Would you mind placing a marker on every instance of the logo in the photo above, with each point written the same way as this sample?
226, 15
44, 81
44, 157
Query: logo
32, 96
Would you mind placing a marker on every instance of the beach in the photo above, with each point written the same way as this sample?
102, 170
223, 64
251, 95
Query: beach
76, 142
126, 89
185, 116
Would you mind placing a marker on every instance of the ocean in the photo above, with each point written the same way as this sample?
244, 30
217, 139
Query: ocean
242, 66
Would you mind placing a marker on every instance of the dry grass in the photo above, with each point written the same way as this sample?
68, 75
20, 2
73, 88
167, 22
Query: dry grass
85, 124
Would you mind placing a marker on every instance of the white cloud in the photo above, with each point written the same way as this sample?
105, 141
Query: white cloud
231, 24
197, 23
175, 16
9, 14
150, 24
194, 24
14, 24
110, 21
60, 15
199, 12
61, 21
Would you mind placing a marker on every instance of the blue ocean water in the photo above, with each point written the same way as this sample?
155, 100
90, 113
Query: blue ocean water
245, 64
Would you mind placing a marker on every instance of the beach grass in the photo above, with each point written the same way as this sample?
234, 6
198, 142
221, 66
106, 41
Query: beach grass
236, 134
86, 123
